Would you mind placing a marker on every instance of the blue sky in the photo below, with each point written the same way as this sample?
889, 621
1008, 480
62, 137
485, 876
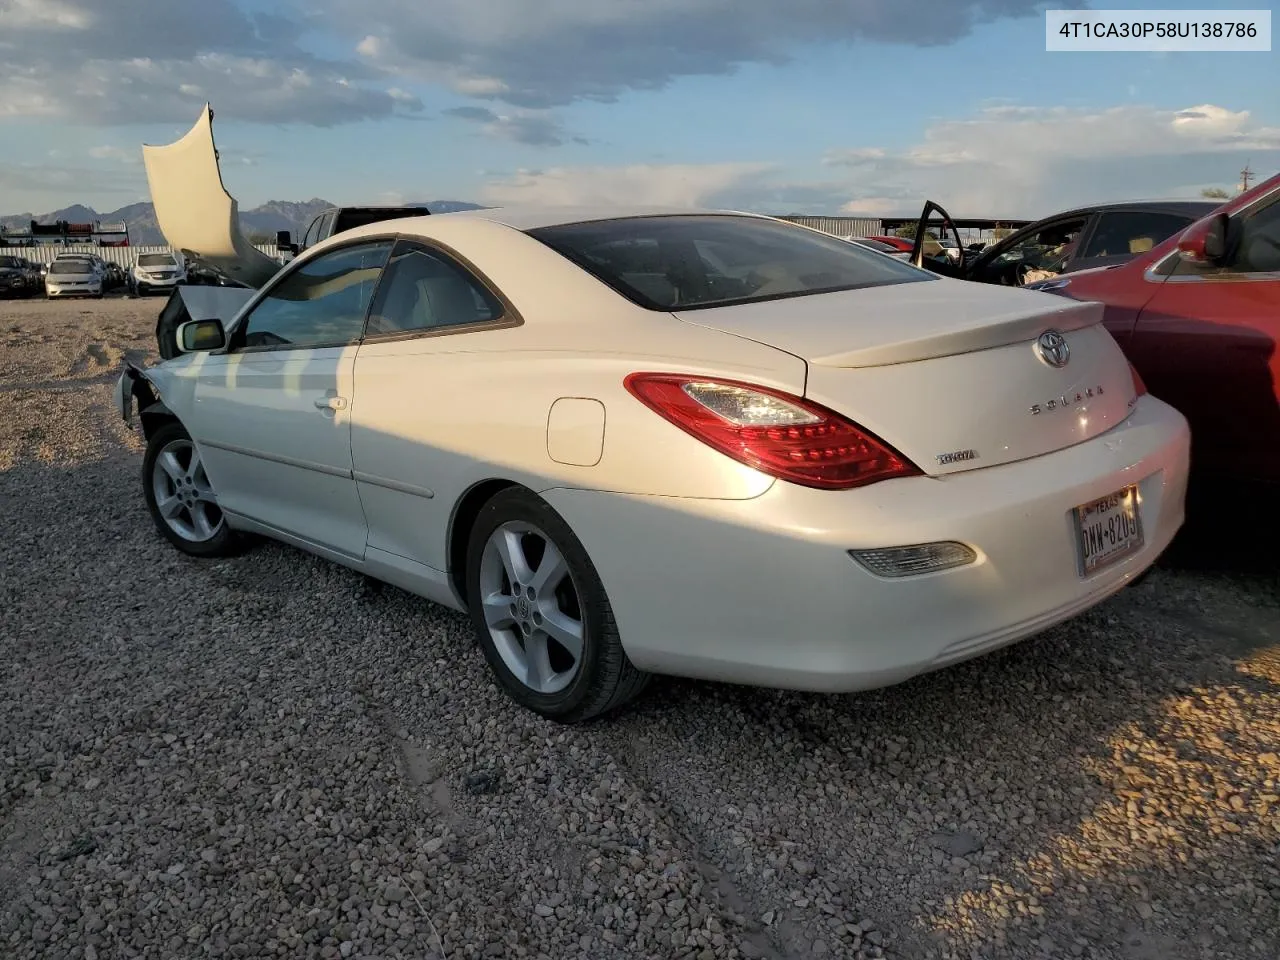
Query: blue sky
864, 107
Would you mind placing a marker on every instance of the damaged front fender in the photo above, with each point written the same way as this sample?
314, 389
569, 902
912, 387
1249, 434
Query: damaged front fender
136, 390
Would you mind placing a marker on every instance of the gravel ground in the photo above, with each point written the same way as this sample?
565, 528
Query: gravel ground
270, 756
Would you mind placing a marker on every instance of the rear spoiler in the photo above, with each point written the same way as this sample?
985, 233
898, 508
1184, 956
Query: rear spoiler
194, 211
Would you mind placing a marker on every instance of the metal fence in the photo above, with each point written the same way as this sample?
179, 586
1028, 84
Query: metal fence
839, 226
124, 256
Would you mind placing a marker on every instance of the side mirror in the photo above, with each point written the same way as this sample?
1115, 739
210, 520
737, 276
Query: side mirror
1205, 241
199, 335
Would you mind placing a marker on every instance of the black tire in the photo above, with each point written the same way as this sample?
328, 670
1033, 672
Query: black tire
224, 543
606, 678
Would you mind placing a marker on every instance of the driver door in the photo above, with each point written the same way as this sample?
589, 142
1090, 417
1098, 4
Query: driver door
927, 253
272, 414
1037, 252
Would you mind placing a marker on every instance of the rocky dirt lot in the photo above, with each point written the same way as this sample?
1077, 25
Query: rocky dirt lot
270, 757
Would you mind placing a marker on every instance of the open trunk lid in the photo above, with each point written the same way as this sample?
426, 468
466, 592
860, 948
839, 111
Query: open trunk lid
953, 374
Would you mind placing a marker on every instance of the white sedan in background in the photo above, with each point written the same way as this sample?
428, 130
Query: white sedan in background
73, 277
700, 443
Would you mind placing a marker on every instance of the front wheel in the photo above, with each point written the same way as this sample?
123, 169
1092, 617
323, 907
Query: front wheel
181, 499
541, 614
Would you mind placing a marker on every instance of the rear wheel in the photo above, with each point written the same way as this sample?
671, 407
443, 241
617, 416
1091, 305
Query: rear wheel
180, 497
541, 614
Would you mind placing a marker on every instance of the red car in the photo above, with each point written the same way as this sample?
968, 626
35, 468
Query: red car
899, 243
1199, 318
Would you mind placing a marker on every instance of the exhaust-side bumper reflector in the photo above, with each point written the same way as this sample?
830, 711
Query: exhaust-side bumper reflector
915, 560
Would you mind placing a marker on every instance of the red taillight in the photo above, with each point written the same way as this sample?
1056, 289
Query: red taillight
1139, 388
784, 436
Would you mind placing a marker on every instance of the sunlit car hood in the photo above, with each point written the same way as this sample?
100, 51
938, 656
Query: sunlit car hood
193, 209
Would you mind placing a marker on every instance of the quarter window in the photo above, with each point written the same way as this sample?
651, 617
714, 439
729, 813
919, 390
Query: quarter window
320, 303
423, 290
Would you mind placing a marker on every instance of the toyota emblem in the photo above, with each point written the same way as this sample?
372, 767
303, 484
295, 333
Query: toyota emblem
1053, 348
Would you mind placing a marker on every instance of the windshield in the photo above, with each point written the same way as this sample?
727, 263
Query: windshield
70, 267
712, 260
9, 262
155, 260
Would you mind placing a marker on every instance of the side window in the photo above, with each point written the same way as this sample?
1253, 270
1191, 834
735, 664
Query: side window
313, 231
1129, 233
423, 290
1044, 248
1259, 248
1038, 254
320, 303
324, 230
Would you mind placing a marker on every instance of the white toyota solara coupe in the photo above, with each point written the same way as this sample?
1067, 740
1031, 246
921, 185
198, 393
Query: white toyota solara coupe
699, 443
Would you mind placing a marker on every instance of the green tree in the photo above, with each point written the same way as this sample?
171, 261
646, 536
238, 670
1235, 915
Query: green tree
1214, 193
907, 232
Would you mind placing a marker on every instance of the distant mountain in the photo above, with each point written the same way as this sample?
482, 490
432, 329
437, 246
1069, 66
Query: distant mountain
259, 223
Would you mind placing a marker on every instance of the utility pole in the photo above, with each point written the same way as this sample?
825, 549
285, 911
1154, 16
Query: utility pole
1245, 176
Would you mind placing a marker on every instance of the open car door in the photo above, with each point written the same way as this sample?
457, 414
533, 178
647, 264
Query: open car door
927, 252
194, 211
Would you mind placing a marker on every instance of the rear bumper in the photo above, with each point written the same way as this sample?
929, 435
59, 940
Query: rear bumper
764, 592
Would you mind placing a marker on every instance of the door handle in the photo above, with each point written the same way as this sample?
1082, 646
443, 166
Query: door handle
331, 403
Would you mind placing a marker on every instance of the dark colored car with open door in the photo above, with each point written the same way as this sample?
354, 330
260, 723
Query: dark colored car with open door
1103, 235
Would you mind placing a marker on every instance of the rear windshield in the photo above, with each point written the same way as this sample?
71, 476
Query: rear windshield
713, 260
70, 266
155, 260
9, 262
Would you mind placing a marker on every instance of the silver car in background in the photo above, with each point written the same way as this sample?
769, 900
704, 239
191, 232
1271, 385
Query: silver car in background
73, 277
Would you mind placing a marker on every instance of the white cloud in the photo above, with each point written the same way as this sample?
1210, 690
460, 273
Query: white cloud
17, 14
1029, 161
1007, 161
118, 154
642, 184
130, 61
539, 128
551, 52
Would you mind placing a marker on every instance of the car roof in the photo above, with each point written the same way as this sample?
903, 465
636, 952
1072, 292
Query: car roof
1192, 207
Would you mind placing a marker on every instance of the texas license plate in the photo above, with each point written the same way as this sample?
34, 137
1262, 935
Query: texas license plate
1108, 530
